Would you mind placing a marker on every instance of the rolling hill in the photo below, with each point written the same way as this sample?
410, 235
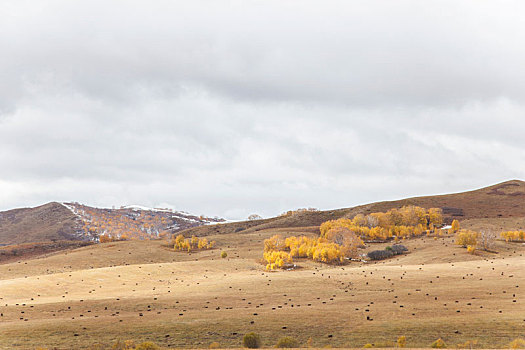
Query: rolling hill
503, 200
48, 222
95, 296
73, 221
76, 222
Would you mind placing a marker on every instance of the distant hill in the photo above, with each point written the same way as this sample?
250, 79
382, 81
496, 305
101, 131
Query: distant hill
47, 222
503, 200
73, 221
76, 222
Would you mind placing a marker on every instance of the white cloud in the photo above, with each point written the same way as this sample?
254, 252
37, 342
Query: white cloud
236, 107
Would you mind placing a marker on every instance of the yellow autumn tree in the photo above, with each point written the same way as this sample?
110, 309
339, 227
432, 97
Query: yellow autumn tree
455, 226
181, 243
466, 238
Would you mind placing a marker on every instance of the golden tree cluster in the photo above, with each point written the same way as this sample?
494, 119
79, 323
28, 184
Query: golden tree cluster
406, 222
121, 224
484, 240
193, 243
277, 259
338, 244
513, 236
466, 238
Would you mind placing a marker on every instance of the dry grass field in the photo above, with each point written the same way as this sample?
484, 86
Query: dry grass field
140, 290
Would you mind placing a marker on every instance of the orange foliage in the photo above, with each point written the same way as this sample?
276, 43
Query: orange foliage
195, 243
409, 221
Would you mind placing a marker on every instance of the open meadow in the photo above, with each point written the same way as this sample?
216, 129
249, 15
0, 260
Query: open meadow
93, 296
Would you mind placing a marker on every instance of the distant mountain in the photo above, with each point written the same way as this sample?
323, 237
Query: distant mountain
503, 200
47, 222
73, 221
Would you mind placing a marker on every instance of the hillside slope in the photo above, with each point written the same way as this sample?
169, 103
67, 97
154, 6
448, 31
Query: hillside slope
89, 297
504, 200
76, 222
48, 222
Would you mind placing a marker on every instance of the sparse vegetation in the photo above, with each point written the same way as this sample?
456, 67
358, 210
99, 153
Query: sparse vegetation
148, 345
214, 345
194, 243
310, 342
287, 342
401, 341
438, 344
251, 340
123, 345
517, 343
469, 344
513, 236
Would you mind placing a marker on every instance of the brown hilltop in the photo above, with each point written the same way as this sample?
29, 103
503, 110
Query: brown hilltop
54, 222
48, 222
503, 200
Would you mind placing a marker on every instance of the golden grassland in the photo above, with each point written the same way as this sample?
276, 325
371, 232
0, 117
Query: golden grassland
143, 290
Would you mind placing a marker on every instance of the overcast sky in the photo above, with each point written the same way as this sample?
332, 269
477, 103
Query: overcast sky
236, 107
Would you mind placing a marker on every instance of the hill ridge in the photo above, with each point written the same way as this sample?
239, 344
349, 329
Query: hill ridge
504, 199
71, 221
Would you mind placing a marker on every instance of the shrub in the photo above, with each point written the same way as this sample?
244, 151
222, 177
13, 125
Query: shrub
105, 239
95, 346
398, 249
310, 343
517, 343
438, 344
401, 341
224, 255
471, 249
251, 340
287, 342
469, 344
123, 345
147, 345
454, 227
214, 345
380, 254
368, 346
466, 238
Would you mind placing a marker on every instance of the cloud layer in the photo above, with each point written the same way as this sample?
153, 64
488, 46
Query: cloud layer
229, 108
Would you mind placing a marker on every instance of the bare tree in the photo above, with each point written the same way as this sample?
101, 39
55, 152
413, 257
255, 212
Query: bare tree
372, 221
486, 239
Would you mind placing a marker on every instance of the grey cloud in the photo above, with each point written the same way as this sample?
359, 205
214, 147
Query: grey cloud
246, 106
